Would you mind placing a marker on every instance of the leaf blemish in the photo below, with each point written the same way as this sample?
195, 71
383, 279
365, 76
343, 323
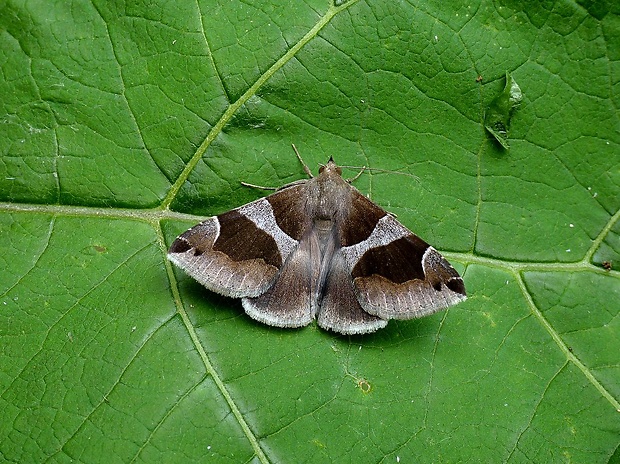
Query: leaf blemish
364, 385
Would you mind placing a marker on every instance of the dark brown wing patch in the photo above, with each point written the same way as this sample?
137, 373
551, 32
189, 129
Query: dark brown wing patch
361, 220
398, 261
288, 210
241, 240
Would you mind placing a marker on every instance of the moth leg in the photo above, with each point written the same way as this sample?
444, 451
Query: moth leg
262, 187
353, 179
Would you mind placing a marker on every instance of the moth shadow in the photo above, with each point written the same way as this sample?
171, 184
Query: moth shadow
206, 307
414, 333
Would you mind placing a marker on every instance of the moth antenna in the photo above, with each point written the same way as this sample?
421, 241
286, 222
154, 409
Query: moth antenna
365, 168
306, 168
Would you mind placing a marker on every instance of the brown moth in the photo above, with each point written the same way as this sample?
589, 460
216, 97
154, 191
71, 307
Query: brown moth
318, 248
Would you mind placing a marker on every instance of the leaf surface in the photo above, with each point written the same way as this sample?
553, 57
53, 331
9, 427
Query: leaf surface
125, 124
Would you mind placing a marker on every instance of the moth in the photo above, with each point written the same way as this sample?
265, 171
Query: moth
318, 248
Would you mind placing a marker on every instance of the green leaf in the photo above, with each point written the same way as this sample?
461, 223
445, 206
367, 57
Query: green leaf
497, 117
124, 124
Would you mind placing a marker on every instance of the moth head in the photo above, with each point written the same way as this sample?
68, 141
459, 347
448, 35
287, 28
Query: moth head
330, 167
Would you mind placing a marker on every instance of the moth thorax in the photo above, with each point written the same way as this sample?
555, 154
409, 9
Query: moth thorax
323, 224
325, 232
